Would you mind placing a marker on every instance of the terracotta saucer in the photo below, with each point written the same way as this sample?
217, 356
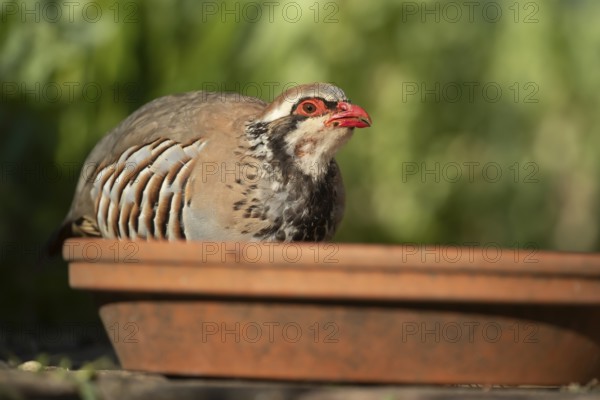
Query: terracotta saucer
346, 312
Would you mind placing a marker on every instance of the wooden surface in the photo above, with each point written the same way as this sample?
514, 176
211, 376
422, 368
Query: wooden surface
108, 385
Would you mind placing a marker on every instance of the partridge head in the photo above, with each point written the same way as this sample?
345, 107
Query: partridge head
219, 166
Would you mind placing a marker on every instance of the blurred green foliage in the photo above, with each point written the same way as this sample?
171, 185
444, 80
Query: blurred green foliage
486, 124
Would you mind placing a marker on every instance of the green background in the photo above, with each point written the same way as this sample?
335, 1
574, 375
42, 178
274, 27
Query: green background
485, 131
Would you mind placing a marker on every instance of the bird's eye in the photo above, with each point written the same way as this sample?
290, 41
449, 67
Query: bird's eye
311, 108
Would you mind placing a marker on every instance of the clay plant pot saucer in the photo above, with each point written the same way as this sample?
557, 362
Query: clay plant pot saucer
346, 312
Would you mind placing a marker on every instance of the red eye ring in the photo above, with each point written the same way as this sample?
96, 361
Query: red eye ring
311, 108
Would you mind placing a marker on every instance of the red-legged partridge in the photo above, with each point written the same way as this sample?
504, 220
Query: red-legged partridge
219, 166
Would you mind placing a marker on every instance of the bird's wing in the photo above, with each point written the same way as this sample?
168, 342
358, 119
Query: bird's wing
148, 158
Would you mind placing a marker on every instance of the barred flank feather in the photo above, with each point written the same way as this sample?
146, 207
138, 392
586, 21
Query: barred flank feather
141, 195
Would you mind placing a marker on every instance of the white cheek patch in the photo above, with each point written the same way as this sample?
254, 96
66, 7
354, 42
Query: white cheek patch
310, 127
312, 145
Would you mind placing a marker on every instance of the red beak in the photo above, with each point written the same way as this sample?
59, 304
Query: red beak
349, 116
